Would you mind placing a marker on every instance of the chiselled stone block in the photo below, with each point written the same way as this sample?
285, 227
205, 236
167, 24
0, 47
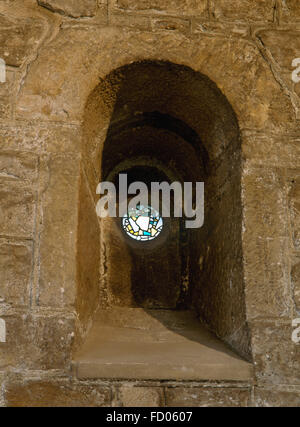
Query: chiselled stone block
271, 151
171, 24
16, 165
264, 202
56, 393
5, 108
72, 8
294, 207
295, 280
207, 397
16, 209
130, 21
39, 139
18, 39
283, 45
2, 385
246, 10
35, 342
57, 284
195, 7
276, 356
15, 272
290, 11
88, 255
131, 396
265, 243
279, 396
6, 88
266, 277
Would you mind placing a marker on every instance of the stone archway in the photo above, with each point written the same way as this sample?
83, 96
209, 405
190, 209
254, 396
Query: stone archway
170, 114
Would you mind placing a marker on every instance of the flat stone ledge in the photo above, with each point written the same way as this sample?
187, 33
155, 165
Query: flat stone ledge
156, 345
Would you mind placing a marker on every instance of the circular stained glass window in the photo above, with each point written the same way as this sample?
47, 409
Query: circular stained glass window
142, 223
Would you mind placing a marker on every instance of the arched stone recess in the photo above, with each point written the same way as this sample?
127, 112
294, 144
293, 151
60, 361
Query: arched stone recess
170, 114
62, 87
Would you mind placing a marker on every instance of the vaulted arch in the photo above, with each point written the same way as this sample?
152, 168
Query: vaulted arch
159, 113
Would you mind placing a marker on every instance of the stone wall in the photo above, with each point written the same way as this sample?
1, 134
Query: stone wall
56, 51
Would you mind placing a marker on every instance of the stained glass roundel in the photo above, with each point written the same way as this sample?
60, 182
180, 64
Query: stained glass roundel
142, 223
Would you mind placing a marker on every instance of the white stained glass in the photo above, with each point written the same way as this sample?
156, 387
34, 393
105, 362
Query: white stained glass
134, 225
143, 223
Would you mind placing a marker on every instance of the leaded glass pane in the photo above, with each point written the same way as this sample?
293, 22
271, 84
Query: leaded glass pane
143, 223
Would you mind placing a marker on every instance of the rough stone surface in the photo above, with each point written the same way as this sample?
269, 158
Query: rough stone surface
247, 10
17, 209
266, 269
35, 342
283, 45
2, 385
265, 204
131, 396
207, 86
62, 98
57, 266
88, 255
195, 7
290, 11
282, 396
62, 393
207, 397
276, 356
172, 24
39, 138
295, 278
18, 166
15, 271
72, 8
294, 207
21, 30
271, 150
5, 108
18, 174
